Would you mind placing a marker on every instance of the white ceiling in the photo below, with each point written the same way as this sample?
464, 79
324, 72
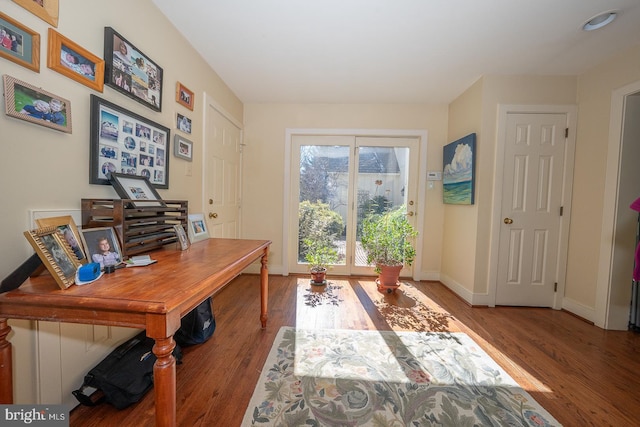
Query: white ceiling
393, 51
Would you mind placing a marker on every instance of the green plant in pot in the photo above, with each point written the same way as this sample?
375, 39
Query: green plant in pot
387, 240
320, 255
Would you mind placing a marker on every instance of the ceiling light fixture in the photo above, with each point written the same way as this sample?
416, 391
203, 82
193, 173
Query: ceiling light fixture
600, 21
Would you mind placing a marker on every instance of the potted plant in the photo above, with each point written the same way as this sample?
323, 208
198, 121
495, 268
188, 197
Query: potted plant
320, 255
387, 240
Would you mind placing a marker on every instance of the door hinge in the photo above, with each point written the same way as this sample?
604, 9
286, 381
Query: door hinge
555, 287
566, 132
561, 210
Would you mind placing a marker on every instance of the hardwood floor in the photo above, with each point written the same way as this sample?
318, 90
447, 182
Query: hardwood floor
582, 375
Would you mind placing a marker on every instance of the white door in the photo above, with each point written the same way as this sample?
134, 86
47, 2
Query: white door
531, 209
222, 152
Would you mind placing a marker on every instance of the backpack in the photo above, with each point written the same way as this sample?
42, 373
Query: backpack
197, 326
124, 376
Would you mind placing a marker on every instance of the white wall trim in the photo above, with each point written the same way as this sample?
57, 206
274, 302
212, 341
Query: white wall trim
610, 207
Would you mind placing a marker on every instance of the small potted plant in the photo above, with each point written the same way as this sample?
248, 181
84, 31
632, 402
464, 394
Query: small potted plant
320, 256
387, 241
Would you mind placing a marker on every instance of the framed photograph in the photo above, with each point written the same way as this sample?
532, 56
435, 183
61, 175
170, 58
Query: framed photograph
131, 72
182, 237
27, 102
458, 173
124, 142
71, 60
19, 43
47, 10
183, 123
197, 227
184, 96
136, 188
102, 246
55, 254
66, 227
182, 147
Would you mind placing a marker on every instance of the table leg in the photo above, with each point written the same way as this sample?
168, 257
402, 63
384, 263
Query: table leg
6, 376
264, 288
164, 378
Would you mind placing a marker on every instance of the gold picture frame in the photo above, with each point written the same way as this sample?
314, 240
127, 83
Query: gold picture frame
67, 228
184, 96
47, 10
70, 59
27, 47
55, 254
25, 101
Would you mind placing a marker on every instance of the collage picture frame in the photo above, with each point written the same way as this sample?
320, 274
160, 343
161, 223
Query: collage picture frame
25, 43
122, 141
70, 59
55, 254
32, 104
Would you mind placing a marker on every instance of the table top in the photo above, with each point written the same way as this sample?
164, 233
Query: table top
178, 282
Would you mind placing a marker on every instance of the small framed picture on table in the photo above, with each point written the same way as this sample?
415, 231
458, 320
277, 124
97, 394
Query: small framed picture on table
197, 227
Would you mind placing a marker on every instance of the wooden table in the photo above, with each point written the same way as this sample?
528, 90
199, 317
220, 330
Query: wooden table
154, 298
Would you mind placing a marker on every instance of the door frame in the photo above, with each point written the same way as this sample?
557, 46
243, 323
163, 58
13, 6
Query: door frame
567, 187
421, 134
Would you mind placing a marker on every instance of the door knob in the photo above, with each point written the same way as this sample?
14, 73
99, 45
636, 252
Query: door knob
508, 221
213, 215
410, 213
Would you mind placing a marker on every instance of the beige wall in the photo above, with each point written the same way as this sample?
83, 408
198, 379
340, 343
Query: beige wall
263, 187
41, 168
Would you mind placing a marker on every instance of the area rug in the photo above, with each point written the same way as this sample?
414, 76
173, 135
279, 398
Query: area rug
372, 378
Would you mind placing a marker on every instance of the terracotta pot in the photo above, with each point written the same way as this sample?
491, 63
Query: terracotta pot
318, 276
388, 278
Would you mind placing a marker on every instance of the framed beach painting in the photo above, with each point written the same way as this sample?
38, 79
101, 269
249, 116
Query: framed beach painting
458, 176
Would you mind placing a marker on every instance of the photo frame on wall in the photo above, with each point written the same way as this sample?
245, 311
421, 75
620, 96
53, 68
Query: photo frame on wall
124, 142
25, 43
197, 227
131, 72
71, 60
68, 230
458, 176
54, 254
183, 123
136, 188
184, 96
32, 104
182, 147
47, 10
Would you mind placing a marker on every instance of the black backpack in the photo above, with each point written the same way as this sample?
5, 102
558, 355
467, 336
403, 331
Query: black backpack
124, 376
197, 326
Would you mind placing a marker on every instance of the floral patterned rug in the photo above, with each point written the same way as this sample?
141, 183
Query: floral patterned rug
374, 378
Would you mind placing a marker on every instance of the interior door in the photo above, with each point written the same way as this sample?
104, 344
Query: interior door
531, 209
222, 174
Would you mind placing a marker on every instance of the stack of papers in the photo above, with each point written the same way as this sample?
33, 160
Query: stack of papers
139, 261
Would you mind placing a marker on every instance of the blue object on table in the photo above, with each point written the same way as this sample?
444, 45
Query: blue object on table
89, 272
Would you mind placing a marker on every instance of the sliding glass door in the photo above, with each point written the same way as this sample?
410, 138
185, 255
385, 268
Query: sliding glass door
338, 180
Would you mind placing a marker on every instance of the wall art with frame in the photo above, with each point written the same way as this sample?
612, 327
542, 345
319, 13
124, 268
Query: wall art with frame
458, 176
183, 123
197, 227
184, 96
131, 72
136, 188
71, 60
47, 10
182, 148
25, 43
124, 142
32, 104
55, 254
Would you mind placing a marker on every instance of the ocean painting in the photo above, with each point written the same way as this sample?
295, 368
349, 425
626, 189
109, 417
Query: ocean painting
458, 176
